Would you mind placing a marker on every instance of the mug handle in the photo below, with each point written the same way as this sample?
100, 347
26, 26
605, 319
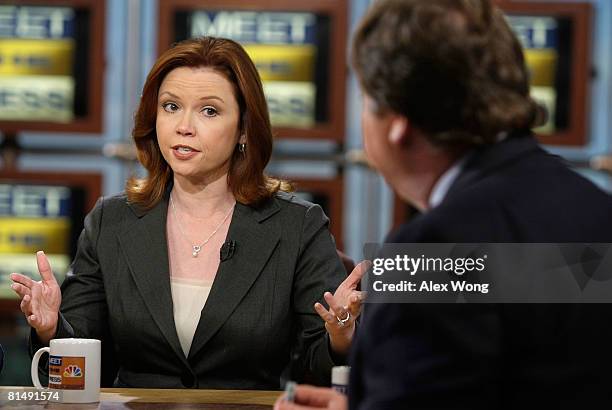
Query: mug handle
34, 369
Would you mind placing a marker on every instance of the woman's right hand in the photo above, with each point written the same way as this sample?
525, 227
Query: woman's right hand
40, 301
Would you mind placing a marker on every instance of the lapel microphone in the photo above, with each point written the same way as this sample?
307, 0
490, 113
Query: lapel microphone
227, 250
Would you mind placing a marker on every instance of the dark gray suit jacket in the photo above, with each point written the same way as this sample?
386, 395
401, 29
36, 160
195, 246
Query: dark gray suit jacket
258, 316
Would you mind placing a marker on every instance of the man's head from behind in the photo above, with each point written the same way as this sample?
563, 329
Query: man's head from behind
452, 69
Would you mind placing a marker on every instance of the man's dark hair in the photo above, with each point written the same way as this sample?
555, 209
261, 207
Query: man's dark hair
452, 67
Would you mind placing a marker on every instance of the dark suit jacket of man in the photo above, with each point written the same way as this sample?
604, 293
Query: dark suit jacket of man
259, 312
449, 356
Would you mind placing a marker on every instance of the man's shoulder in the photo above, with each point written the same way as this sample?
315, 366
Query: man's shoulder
539, 199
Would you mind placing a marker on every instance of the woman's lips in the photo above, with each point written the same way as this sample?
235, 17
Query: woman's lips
184, 152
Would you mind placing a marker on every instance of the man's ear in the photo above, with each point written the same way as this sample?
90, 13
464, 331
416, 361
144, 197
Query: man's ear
399, 130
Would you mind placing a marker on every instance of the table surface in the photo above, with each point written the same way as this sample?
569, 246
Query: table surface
157, 399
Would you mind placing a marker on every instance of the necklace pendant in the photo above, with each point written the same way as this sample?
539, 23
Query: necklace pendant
196, 250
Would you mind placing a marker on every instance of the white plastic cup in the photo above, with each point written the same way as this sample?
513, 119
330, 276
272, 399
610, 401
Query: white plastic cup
340, 378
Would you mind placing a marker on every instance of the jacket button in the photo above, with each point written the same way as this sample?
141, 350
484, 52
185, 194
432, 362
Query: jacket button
187, 380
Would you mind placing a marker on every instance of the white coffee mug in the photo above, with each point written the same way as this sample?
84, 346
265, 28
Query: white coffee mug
74, 369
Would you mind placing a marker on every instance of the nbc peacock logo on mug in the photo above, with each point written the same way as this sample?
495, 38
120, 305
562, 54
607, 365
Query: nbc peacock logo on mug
67, 373
73, 371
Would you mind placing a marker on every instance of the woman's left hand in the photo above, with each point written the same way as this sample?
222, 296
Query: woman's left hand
344, 309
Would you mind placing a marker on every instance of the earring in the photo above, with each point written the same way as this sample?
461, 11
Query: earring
242, 147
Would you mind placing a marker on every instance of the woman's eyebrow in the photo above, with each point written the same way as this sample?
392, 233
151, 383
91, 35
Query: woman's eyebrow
207, 97
211, 97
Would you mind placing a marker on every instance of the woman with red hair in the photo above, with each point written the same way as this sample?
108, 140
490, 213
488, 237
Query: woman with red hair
204, 273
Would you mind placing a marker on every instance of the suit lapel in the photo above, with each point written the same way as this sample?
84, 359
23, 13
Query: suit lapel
144, 245
255, 242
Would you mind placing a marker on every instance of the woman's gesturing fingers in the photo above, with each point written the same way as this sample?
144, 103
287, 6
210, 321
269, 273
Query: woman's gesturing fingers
40, 300
22, 280
44, 268
354, 278
20, 290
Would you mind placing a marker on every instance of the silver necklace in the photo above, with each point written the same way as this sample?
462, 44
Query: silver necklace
195, 249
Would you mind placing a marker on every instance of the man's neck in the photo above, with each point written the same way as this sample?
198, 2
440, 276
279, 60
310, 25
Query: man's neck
423, 170
444, 183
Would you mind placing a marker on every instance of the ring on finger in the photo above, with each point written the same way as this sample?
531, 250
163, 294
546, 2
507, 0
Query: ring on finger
342, 322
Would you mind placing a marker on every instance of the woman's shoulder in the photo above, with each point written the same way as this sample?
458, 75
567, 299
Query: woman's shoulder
113, 206
285, 205
294, 207
118, 200
294, 203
